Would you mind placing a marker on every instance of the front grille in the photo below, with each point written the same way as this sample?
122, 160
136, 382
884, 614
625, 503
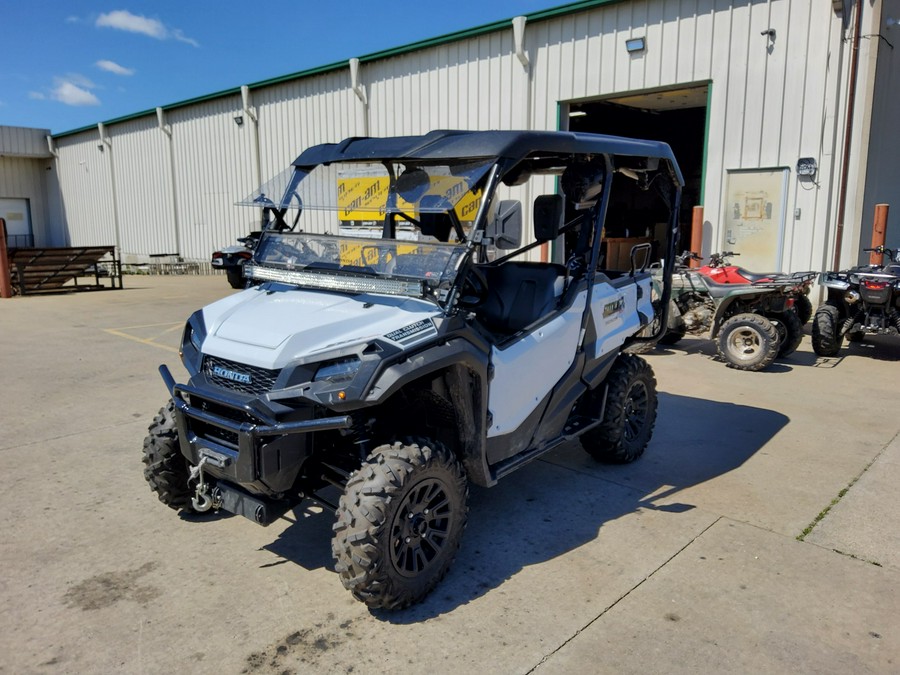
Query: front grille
213, 432
238, 376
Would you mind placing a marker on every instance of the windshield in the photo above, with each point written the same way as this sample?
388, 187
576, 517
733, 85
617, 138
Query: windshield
405, 222
360, 194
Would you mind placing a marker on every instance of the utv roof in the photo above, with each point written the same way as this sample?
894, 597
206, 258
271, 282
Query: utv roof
509, 145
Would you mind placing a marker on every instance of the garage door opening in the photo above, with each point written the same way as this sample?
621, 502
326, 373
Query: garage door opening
677, 117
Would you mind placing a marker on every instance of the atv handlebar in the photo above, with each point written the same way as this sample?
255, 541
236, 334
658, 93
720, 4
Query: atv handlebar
881, 250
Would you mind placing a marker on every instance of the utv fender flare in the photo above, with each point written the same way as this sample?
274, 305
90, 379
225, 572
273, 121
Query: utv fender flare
464, 367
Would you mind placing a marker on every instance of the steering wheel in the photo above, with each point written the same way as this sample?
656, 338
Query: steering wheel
474, 289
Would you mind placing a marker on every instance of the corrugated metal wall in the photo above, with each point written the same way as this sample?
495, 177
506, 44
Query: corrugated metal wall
771, 102
23, 178
23, 165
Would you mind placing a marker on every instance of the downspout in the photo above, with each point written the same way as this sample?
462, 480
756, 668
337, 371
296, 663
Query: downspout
360, 91
518, 24
105, 141
167, 130
848, 134
250, 112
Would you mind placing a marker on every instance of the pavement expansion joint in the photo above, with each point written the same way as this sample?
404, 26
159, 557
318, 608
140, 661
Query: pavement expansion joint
624, 595
840, 495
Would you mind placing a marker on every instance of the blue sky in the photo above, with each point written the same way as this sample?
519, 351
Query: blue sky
65, 65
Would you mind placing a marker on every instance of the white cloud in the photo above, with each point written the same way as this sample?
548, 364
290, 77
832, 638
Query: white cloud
113, 67
70, 93
36, 96
179, 35
73, 19
122, 19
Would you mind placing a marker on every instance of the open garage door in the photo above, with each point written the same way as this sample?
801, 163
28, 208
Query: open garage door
675, 116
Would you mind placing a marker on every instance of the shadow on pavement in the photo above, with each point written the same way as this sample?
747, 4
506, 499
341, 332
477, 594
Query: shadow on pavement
561, 502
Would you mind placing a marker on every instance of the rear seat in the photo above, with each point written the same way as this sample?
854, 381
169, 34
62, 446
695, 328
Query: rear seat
518, 294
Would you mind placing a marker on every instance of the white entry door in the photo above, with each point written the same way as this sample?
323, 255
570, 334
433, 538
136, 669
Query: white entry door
17, 214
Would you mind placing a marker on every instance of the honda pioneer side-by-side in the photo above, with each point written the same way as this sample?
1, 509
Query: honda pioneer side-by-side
400, 338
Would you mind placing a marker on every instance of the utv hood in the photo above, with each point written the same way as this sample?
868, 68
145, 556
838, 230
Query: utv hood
271, 327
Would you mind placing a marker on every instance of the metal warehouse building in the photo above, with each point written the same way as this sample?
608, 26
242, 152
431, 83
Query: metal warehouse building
782, 113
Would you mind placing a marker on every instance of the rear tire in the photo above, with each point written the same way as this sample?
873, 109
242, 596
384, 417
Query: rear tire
748, 342
793, 332
165, 468
826, 338
235, 277
631, 403
803, 306
399, 523
674, 331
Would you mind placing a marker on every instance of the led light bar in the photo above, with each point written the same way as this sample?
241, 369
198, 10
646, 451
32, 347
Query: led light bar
337, 282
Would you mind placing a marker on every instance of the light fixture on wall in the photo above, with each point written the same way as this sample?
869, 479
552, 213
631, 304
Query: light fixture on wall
239, 120
100, 147
635, 45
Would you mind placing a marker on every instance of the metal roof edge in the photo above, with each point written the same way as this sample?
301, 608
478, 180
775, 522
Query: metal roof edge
494, 26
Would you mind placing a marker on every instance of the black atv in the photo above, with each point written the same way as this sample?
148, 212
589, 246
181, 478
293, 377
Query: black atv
862, 300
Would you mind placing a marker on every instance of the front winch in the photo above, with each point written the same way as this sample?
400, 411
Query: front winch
203, 501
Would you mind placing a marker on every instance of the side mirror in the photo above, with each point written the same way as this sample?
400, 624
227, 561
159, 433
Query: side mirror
506, 228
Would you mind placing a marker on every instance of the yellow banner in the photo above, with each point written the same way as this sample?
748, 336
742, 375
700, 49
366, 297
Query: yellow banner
365, 197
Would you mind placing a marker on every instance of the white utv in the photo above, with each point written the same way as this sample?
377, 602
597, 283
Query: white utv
397, 341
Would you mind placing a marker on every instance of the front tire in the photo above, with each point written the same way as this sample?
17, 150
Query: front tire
826, 337
399, 523
748, 342
165, 468
630, 413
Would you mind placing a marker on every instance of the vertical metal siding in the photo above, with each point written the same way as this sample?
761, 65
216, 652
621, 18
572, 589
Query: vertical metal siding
214, 169
23, 142
84, 182
143, 186
766, 110
23, 178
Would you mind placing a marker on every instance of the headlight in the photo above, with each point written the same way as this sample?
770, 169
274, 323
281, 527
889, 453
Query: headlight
340, 370
195, 337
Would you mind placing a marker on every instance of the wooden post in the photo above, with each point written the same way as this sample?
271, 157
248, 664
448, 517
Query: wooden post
879, 233
696, 234
5, 283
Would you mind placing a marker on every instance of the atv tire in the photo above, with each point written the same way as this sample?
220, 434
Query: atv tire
165, 468
674, 331
629, 415
803, 307
793, 332
399, 523
826, 337
748, 342
235, 276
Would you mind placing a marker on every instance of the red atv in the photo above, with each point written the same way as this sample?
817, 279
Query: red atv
721, 272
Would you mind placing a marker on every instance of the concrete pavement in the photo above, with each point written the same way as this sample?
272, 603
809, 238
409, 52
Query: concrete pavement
685, 561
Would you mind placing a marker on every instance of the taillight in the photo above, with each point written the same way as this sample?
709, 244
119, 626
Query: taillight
217, 254
874, 285
246, 255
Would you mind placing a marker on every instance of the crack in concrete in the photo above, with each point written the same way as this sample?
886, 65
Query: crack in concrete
623, 596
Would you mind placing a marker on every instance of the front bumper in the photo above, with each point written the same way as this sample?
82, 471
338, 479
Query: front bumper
242, 442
